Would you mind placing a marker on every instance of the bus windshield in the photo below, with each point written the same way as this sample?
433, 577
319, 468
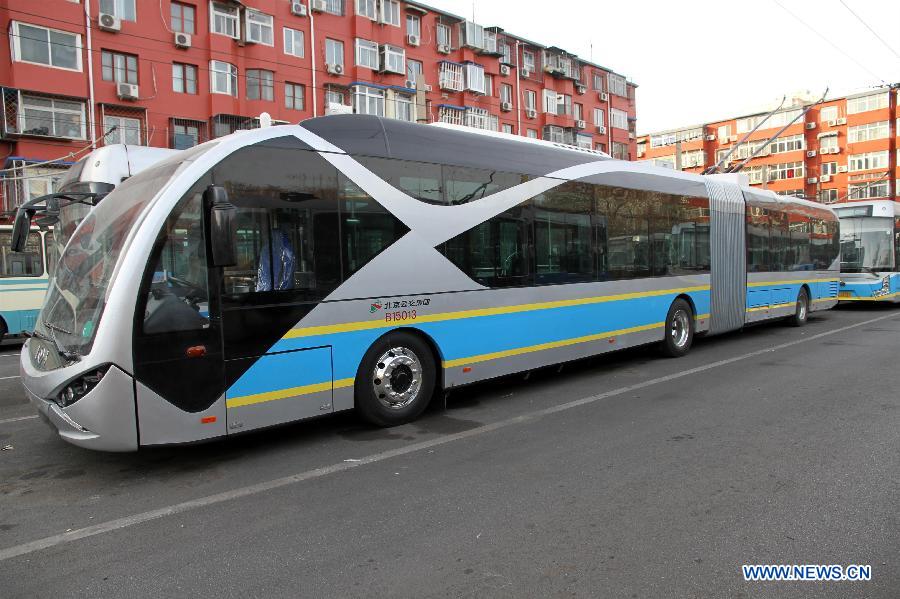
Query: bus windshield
867, 244
77, 295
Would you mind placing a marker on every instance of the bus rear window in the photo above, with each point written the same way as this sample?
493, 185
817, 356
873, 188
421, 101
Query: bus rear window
21, 264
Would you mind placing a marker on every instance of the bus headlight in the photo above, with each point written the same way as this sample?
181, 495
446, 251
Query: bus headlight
81, 386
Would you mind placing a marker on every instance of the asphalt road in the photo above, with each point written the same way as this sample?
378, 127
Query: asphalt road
620, 476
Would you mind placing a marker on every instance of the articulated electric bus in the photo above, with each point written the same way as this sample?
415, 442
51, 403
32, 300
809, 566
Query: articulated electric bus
870, 251
24, 274
356, 262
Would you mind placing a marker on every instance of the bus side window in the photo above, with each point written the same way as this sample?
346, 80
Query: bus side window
29, 263
757, 239
367, 228
562, 234
628, 243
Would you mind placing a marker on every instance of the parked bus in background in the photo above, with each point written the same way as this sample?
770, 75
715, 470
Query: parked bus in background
24, 274
355, 262
870, 250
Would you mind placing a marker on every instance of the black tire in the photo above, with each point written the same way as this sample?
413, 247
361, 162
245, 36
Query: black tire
3, 330
801, 310
376, 400
679, 330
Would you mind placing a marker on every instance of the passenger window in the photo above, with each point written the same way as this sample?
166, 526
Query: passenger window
367, 228
28, 263
757, 239
628, 234
799, 228
494, 253
781, 251
178, 299
563, 235
679, 228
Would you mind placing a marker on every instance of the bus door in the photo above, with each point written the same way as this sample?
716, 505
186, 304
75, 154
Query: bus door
178, 358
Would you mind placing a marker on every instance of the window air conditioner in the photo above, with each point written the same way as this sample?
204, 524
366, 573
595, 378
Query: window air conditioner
108, 22
601, 129
318, 5
334, 69
710, 138
579, 124
530, 113
825, 178
812, 180
843, 168
505, 106
604, 97
127, 91
412, 40
183, 40
298, 9
841, 121
810, 125
811, 154
504, 70
443, 48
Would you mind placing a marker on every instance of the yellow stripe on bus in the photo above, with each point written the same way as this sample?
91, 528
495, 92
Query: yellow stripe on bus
380, 324
868, 299
249, 400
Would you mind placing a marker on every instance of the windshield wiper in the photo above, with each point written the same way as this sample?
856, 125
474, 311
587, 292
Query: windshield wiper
62, 351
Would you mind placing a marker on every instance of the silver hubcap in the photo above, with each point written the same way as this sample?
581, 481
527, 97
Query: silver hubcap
397, 378
680, 327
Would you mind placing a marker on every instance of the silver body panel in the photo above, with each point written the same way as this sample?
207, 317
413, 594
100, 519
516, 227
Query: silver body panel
728, 257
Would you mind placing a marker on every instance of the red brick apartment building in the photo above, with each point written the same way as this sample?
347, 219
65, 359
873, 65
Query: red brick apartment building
176, 73
842, 149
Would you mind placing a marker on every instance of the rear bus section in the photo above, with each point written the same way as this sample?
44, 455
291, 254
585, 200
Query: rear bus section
870, 251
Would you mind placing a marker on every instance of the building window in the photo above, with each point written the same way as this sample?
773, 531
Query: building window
184, 78
444, 35
530, 99
867, 103
125, 130
368, 100
528, 60
829, 113
260, 28
583, 141
414, 26
828, 142
260, 85
471, 34
506, 93
868, 132
294, 96
335, 7
488, 85
223, 19
414, 70
366, 54
182, 17
617, 85
790, 143
550, 103
829, 168
124, 9
293, 42
532, 134
367, 8
394, 59
867, 191
620, 151
618, 118
403, 107
475, 78
578, 113
449, 114
479, 118
390, 12
598, 81
185, 134
223, 78
786, 170
49, 47
451, 76
334, 52
507, 128
334, 96
600, 147
868, 161
506, 54
828, 196
51, 117
599, 117
121, 68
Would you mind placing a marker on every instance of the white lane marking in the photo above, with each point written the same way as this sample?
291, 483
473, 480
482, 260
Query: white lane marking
15, 355
6, 378
178, 508
8, 420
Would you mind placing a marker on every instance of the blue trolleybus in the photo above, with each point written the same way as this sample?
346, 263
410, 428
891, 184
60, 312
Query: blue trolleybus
353, 262
870, 251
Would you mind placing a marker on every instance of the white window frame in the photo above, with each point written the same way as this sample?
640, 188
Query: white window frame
413, 25
532, 134
449, 114
868, 131
404, 101
16, 46
334, 51
506, 92
488, 84
452, 76
828, 196
829, 113
551, 103
229, 18
828, 142
475, 77
415, 70
785, 170
506, 128
366, 49
367, 8
471, 34
390, 12
791, 143
22, 123
618, 118
120, 9
129, 125
259, 27
867, 103
291, 37
619, 150
868, 190
334, 7
868, 161
528, 60
444, 34
362, 94
617, 85
393, 59
220, 67
829, 168
529, 99
335, 96
599, 116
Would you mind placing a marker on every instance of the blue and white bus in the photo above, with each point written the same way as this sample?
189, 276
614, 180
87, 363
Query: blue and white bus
24, 275
353, 262
870, 251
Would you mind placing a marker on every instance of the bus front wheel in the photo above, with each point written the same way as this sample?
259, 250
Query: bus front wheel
801, 311
395, 380
679, 329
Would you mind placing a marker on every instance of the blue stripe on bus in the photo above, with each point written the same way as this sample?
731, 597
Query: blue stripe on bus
19, 321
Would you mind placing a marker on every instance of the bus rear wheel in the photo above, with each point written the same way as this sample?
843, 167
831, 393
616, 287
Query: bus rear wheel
801, 311
679, 330
395, 380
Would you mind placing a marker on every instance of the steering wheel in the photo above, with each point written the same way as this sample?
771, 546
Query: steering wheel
195, 292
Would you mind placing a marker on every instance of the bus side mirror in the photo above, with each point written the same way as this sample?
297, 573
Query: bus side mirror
222, 226
21, 227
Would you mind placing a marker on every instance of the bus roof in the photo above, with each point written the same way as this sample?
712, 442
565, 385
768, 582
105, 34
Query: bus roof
112, 164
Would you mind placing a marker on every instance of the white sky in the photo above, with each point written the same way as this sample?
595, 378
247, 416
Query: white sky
698, 61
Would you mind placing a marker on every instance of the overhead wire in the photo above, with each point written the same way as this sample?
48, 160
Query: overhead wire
866, 25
